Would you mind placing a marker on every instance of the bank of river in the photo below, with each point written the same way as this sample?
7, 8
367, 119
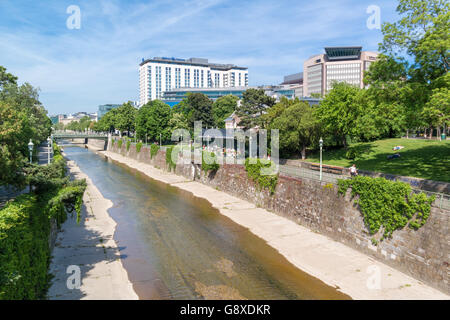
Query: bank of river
355, 274
175, 245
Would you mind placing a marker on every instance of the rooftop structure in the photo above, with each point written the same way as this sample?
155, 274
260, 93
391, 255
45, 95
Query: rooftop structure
337, 64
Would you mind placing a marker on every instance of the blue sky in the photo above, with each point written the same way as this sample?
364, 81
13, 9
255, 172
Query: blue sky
77, 70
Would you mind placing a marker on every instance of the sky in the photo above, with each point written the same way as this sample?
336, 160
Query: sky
79, 69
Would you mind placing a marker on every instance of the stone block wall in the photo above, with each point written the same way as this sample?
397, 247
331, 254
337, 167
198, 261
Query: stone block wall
423, 254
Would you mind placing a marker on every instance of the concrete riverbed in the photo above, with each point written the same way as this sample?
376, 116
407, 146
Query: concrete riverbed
355, 274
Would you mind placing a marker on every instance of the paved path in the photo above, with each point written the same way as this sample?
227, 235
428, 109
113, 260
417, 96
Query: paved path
354, 273
91, 247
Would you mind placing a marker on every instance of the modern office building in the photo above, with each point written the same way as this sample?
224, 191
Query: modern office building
159, 75
104, 108
294, 82
336, 64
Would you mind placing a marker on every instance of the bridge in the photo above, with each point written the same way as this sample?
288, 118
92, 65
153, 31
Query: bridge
61, 135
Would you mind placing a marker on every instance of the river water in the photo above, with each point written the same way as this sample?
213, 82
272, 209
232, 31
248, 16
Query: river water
176, 246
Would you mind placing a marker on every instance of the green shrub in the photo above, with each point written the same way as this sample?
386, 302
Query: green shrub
254, 173
153, 150
138, 147
128, 144
170, 163
119, 143
388, 204
25, 229
214, 166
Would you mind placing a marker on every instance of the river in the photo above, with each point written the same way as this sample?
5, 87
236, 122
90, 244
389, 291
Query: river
176, 246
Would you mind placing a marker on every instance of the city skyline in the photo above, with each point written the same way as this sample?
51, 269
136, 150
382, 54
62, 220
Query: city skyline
80, 69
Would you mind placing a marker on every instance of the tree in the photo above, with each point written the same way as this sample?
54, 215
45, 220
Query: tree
253, 106
6, 78
423, 32
298, 128
222, 108
437, 111
108, 122
153, 120
126, 117
14, 137
277, 109
178, 121
339, 111
199, 108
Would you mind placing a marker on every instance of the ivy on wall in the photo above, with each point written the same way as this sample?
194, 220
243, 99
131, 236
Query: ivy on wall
386, 204
266, 181
119, 143
128, 144
209, 162
138, 147
169, 161
153, 150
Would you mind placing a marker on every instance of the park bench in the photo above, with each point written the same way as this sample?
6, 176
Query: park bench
327, 168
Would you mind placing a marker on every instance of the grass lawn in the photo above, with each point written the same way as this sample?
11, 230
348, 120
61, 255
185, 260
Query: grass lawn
429, 159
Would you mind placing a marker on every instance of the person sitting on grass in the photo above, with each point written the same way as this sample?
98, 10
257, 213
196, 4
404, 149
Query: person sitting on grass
353, 170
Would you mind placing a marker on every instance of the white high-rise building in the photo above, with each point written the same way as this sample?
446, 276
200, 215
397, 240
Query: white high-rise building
158, 75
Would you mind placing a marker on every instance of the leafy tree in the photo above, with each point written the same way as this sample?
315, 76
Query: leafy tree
339, 111
126, 117
153, 120
6, 78
108, 122
423, 33
178, 121
222, 108
253, 106
298, 128
277, 109
198, 107
437, 111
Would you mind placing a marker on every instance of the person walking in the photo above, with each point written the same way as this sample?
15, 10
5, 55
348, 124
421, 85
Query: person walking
353, 171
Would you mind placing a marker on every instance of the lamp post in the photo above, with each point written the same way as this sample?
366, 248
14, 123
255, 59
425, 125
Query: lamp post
321, 145
30, 148
49, 141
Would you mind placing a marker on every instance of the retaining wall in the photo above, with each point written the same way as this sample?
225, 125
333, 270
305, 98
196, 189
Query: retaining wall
423, 254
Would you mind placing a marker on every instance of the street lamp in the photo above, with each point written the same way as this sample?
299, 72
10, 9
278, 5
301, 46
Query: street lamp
321, 145
49, 142
30, 148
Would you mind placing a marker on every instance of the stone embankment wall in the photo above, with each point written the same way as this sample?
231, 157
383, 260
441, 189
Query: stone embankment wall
423, 254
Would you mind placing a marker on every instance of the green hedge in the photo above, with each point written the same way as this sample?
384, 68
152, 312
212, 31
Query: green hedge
25, 229
387, 204
254, 173
24, 250
119, 143
128, 144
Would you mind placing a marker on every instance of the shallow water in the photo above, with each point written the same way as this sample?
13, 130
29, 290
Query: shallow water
176, 246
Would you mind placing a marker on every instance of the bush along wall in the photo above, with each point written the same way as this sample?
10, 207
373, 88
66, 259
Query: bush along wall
25, 229
153, 150
254, 171
170, 163
387, 205
138, 147
128, 145
119, 144
209, 162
